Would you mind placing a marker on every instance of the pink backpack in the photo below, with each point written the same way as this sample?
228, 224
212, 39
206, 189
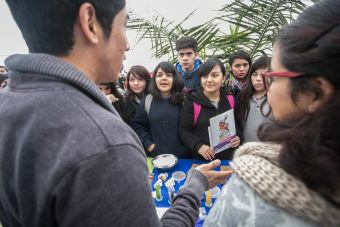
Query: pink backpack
197, 107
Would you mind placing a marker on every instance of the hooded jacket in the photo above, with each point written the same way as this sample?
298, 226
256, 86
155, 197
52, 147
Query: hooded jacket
195, 136
191, 80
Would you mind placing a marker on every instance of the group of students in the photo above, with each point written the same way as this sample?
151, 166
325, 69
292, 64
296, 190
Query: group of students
161, 109
68, 159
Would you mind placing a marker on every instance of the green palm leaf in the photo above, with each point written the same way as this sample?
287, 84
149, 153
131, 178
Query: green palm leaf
250, 25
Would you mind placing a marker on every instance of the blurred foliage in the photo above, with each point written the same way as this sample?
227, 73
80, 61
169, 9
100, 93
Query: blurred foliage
250, 25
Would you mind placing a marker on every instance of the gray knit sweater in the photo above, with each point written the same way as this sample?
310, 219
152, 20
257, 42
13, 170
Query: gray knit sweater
67, 159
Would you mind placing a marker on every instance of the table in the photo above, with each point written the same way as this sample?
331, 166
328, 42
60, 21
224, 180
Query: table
182, 165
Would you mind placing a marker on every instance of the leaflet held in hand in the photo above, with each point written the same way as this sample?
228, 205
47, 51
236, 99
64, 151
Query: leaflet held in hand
222, 130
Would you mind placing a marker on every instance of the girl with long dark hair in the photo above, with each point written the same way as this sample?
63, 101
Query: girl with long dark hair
113, 95
138, 79
252, 107
157, 117
213, 101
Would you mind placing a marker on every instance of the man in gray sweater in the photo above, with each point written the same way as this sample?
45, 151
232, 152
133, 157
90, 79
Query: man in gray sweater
66, 157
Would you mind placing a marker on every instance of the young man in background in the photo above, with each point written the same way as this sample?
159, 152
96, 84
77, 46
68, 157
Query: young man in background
188, 62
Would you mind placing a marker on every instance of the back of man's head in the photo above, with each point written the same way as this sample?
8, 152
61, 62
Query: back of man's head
240, 54
186, 42
47, 25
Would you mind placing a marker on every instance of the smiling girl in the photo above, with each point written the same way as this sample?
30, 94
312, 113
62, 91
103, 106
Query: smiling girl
157, 117
213, 101
138, 79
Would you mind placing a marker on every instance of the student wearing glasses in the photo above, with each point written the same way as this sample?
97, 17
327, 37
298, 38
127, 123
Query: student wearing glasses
252, 106
293, 177
188, 62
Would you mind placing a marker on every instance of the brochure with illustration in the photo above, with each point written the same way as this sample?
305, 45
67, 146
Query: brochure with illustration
222, 129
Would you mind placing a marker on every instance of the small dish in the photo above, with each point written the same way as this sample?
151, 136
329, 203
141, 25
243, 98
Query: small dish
164, 161
178, 176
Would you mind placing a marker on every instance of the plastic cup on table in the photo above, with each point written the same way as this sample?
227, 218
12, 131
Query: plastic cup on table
178, 176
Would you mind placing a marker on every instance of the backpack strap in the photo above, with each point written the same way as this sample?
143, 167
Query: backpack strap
197, 110
197, 107
231, 101
147, 104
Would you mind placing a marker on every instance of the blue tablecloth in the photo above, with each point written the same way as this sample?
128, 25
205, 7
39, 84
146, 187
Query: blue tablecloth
182, 165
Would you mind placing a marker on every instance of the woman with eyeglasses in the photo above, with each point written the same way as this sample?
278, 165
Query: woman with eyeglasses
293, 177
252, 106
157, 117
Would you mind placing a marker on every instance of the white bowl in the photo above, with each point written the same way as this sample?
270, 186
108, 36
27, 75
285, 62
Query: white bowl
164, 161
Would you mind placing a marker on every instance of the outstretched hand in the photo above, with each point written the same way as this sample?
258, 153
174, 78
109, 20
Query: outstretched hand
214, 177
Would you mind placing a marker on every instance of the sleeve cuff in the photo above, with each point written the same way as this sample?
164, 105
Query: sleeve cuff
196, 182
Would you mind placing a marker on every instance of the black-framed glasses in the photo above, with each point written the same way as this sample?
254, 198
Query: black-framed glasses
268, 77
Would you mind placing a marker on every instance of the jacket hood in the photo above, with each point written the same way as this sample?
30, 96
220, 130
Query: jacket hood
197, 64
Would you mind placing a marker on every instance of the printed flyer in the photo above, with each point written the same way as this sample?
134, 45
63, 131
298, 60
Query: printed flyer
222, 129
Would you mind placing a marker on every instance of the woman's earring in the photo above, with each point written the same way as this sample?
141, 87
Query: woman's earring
311, 108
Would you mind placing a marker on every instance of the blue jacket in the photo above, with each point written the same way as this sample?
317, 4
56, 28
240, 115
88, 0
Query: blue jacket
161, 128
191, 79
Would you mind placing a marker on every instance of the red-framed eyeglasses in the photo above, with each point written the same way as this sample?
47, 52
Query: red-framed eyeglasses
268, 77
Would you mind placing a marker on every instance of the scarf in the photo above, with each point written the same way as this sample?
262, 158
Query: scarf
257, 164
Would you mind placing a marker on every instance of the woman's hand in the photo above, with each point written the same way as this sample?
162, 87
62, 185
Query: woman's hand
151, 147
235, 142
207, 152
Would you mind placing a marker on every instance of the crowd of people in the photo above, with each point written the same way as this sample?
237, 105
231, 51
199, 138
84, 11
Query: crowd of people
73, 152
159, 105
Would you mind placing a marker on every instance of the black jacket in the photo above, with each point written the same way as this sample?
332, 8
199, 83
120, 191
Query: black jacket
130, 110
160, 127
194, 136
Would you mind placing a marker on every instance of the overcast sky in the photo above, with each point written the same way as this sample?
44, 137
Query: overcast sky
12, 41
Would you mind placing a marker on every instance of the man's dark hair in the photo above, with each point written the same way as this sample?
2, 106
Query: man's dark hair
240, 54
186, 42
47, 25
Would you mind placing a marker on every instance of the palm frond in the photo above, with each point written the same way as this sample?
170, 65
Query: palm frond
250, 25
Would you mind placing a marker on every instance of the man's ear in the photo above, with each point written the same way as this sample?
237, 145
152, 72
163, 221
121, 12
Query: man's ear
89, 25
196, 55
